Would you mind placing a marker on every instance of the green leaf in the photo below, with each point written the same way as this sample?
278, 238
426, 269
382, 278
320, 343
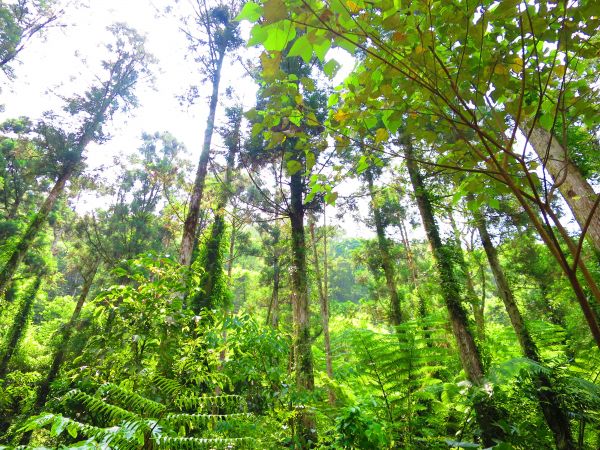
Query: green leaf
392, 120
331, 68
331, 197
333, 99
250, 12
381, 135
279, 35
302, 48
293, 166
546, 121
58, 426
310, 160
362, 165
72, 430
321, 48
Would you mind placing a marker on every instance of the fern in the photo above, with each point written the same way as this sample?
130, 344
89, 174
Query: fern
129, 421
208, 402
176, 443
197, 421
134, 401
399, 369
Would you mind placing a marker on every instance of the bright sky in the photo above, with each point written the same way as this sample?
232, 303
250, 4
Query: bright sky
63, 63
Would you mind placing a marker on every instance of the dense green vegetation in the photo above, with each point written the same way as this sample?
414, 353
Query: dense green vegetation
234, 307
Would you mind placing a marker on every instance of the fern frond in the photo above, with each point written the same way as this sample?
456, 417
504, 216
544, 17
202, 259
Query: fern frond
168, 386
131, 400
176, 420
206, 402
176, 443
98, 406
104, 436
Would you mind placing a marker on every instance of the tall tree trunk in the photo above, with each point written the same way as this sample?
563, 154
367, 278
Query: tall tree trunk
191, 221
273, 313
553, 410
19, 326
575, 189
478, 311
486, 411
386, 259
414, 273
321, 285
232, 237
20, 251
63, 344
303, 359
212, 276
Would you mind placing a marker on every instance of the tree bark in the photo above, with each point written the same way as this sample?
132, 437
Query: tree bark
191, 221
575, 189
20, 251
303, 360
321, 285
386, 259
487, 412
213, 259
553, 410
19, 326
478, 310
273, 313
63, 344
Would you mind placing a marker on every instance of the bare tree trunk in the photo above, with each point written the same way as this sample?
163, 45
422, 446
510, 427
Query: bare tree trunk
303, 360
191, 221
487, 412
386, 259
549, 401
321, 285
575, 189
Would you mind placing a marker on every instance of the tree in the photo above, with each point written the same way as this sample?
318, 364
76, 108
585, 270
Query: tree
475, 71
220, 35
20, 21
130, 61
488, 413
384, 250
554, 413
212, 287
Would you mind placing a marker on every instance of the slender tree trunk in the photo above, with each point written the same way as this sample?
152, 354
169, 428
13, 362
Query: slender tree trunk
553, 411
191, 221
303, 359
19, 326
321, 283
20, 251
386, 259
65, 337
213, 259
231, 254
414, 273
487, 412
575, 189
273, 313
478, 312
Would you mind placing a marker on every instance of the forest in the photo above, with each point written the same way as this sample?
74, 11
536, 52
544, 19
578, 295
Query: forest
379, 228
